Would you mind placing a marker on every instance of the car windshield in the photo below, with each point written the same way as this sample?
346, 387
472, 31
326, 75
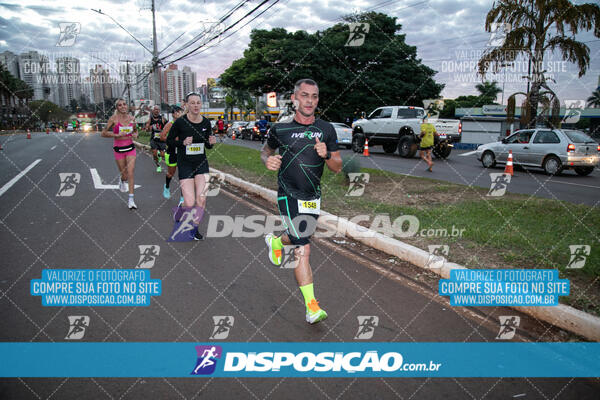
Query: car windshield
577, 136
339, 124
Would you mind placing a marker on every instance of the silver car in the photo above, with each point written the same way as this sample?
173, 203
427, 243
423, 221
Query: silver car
344, 134
554, 150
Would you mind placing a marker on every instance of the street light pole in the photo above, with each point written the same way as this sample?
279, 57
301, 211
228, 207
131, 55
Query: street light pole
128, 82
156, 81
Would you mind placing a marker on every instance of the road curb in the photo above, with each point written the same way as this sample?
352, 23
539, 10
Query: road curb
562, 316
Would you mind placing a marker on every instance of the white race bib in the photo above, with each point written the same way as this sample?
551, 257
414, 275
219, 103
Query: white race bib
309, 206
194, 149
127, 130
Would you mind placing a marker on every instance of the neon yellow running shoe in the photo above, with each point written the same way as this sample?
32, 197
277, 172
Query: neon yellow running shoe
314, 313
275, 249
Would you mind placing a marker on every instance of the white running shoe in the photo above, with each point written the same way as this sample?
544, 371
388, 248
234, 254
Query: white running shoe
314, 313
123, 186
131, 204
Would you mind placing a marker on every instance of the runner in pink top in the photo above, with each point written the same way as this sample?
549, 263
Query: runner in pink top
123, 131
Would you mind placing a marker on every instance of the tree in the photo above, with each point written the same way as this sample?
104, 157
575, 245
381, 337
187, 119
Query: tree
46, 111
240, 99
594, 99
488, 91
538, 26
73, 105
383, 71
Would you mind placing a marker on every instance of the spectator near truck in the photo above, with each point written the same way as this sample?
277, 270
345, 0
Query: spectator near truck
397, 128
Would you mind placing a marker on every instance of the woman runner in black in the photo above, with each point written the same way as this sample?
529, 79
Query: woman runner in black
191, 135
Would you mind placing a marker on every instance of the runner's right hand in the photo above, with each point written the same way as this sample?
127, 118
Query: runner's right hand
274, 162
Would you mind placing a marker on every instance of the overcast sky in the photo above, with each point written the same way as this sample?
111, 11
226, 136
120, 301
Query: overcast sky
448, 34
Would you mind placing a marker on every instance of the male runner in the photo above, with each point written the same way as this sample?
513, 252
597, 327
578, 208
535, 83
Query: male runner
305, 146
171, 153
156, 122
221, 128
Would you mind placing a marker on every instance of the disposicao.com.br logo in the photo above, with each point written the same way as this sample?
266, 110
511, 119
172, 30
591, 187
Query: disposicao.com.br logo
307, 363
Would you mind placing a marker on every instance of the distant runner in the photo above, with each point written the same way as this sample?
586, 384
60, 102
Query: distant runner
171, 153
124, 130
156, 124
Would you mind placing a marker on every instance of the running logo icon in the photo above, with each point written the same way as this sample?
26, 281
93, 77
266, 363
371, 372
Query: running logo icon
573, 110
207, 359
223, 324
68, 183
508, 327
77, 326
499, 184
437, 255
68, 33
290, 256
214, 184
148, 255
186, 221
358, 33
358, 182
579, 254
366, 326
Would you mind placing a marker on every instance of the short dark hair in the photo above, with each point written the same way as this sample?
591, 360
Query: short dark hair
306, 81
190, 94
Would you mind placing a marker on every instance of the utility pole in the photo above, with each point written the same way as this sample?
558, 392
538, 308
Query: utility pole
157, 79
128, 82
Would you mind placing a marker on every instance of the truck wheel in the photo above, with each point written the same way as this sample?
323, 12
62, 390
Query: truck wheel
390, 147
357, 144
407, 147
583, 171
442, 151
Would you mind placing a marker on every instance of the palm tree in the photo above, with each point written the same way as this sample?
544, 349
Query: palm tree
594, 99
538, 26
488, 91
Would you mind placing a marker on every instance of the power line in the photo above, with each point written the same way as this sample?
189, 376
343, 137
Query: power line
219, 34
203, 33
243, 26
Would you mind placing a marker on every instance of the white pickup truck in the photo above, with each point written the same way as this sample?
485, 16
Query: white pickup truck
398, 128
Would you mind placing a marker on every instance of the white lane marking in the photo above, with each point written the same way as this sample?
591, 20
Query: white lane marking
470, 153
98, 182
53, 147
14, 180
576, 184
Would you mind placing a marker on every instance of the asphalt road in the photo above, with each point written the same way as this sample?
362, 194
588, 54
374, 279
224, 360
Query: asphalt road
217, 277
463, 167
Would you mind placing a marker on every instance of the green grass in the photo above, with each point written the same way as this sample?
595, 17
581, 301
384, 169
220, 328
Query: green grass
525, 231
143, 137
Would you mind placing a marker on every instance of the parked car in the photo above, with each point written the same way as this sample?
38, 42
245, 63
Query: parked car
250, 131
344, 134
236, 126
398, 128
554, 150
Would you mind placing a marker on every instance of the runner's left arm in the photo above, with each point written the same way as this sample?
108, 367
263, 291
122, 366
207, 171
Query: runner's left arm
335, 162
207, 135
165, 131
